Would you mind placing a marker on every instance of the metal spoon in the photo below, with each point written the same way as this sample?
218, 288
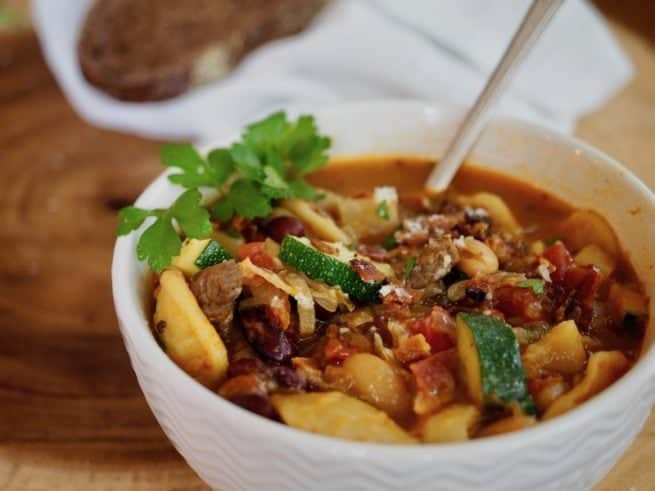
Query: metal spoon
533, 25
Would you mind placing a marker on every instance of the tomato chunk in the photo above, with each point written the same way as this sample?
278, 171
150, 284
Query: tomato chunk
257, 253
438, 328
560, 257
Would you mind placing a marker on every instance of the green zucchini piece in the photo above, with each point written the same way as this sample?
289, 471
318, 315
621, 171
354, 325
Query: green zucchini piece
197, 254
491, 362
214, 253
299, 253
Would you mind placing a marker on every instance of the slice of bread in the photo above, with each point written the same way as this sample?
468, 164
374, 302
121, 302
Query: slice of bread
148, 50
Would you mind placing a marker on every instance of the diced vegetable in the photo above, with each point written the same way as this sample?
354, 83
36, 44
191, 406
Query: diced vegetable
604, 368
338, 415
560, 350
191, 249
593, 255
299, 253
495, 206
453, 424
199, 254
491, 360
188, 337
585, 227
214, 253
321, 224
628, 301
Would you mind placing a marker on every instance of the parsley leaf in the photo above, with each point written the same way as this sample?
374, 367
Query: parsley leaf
305, 149
410, 264
244, 199
382, 210
390, 242
301, 189
196, 171
192, 218
536, 284
131, 218
159, 243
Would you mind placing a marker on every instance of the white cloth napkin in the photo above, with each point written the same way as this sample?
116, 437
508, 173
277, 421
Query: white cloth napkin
440, 50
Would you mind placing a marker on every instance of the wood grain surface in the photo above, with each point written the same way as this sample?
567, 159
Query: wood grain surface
71, 414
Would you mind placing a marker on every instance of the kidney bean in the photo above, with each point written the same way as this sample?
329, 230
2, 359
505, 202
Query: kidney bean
279, 227
267, 340
287, 377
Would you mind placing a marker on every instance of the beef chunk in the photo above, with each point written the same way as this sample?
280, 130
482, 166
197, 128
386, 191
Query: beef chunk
216, 288
434, 262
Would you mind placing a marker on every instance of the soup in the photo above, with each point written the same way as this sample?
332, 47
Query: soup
380, 314
343, 301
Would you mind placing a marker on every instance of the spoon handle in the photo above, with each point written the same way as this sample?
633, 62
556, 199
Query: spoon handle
534, 23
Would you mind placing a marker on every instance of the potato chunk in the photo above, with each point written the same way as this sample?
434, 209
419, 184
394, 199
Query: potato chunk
604, 368
373, 380
188, 337
338, 415
584, 227
561, 350
593, 255
452, 424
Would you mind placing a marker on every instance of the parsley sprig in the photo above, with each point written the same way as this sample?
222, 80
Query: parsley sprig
268, 163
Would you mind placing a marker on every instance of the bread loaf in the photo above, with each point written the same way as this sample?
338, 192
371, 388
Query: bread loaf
148, 50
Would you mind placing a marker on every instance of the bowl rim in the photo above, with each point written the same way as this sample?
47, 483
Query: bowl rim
133, 324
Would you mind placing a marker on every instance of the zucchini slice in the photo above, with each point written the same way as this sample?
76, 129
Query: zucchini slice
185, 332
491, 362
199, 254
333, 270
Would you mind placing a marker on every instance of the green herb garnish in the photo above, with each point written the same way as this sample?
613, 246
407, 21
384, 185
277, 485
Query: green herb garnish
160, 242
382, 210
409, 266
536, 284
390, 242
551, 240
268, 163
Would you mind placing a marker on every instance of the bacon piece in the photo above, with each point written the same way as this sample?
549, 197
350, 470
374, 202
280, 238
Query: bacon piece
375, 252
366, 271
323, 246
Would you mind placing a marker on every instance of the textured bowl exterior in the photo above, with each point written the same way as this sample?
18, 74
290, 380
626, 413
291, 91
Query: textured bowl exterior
232, 449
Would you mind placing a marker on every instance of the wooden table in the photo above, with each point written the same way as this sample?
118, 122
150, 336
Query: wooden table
71, 414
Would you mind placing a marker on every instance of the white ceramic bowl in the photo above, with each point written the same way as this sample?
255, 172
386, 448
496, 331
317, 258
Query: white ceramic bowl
232, 449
